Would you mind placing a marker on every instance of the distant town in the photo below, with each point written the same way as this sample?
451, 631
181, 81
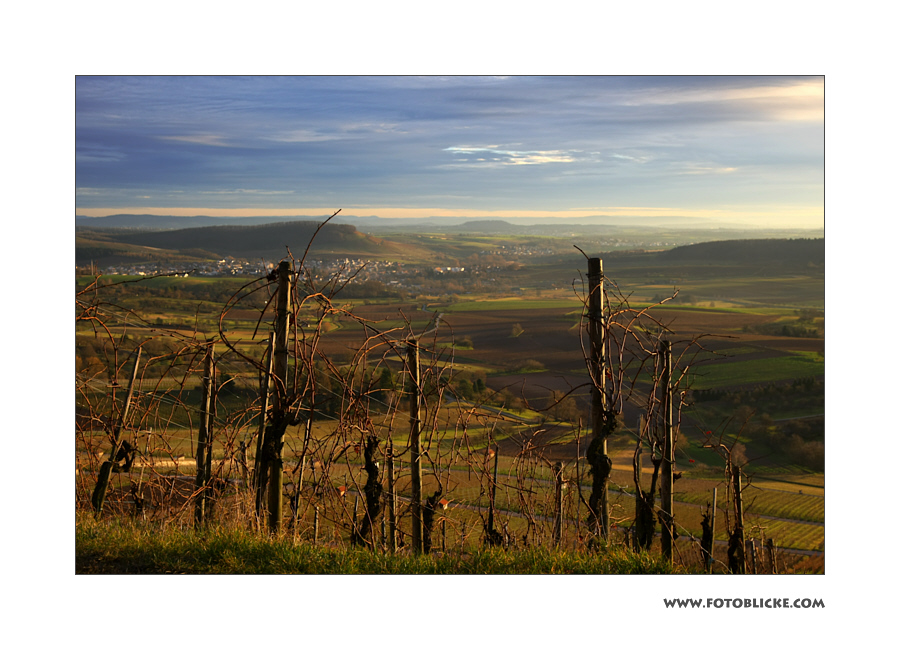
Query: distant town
374, 270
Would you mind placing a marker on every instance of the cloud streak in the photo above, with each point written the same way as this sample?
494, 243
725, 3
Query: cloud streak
493, 154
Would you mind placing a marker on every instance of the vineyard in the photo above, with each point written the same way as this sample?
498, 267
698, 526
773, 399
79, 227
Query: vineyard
257, 415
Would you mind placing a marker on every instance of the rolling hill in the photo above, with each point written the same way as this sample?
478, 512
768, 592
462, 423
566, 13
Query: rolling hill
780, 252
270, 241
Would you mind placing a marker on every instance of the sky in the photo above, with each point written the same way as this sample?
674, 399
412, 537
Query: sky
747, 149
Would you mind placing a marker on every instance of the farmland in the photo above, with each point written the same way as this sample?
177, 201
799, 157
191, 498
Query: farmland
508, 372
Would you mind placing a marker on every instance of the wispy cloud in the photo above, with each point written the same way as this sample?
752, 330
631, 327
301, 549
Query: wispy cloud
248, 192
97, 154
743, 97
304, 135
637, 159
208, 139
494, 154
342, 132
703, 168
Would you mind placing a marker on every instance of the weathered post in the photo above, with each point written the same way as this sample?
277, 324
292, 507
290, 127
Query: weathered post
578, 481
139, 493
307, 434
739, 561
494, 538
280, 364
242, 459
712, 525
210, 429
557, 521
496, 451
316, 527
391, 500
602, 417
99, 495
415, 444
260, 467
203, 438
667, 518
770, 552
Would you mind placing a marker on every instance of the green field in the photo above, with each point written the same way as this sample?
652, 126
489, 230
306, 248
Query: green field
788, 367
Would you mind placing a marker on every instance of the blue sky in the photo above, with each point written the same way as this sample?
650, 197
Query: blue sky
744, 149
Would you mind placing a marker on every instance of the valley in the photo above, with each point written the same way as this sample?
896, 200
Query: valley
503, 324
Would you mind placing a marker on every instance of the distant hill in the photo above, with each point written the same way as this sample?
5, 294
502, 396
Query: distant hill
270, 241
483, 225
165, 222
777, 252
523, 225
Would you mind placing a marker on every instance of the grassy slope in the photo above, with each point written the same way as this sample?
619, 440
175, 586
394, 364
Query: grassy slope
123, 547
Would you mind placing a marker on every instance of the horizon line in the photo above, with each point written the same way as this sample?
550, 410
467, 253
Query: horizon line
796, 218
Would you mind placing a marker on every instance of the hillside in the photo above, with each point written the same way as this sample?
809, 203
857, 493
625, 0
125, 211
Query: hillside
166, 222
780, 252
483, 226
265, 239
268, 241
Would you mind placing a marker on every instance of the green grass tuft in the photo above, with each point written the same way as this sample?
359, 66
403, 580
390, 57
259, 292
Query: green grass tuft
123, 546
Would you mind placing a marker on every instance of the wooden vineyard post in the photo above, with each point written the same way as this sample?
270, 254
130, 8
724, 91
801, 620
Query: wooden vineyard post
493, 536
280, 363
557, 522
204, 449
316, 527
712, 525
391, 499
307, 434
139, 493
260, 469
99, 495
740, 562
770, 552
602, 416
415, 444
668, 460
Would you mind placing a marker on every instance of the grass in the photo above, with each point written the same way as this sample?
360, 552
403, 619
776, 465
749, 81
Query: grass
794, 366
122, 546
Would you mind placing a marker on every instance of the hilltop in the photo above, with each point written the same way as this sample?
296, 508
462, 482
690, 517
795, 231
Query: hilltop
167, 222
782, 252
269, 241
